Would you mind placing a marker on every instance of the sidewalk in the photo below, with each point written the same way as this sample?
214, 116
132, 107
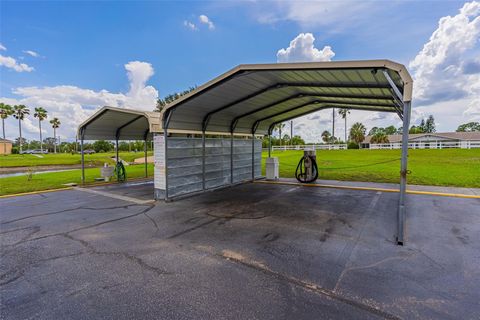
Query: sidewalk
453, 190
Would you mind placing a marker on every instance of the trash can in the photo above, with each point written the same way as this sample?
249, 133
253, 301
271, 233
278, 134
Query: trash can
272, 168
107, 172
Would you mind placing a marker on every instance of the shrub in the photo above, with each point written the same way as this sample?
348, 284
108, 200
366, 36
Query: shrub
353, 145
15, 150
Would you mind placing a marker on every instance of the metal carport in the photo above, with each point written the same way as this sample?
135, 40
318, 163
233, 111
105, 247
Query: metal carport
111, 123
250, 99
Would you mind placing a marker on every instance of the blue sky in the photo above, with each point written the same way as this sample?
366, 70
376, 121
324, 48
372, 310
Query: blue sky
79, 50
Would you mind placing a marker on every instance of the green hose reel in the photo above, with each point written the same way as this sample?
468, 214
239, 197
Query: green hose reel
120, 172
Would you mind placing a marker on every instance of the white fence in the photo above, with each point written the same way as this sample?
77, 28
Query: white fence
311, 147
429, 145
397, 145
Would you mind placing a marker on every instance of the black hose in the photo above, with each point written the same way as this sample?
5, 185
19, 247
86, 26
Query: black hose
301, 175
120, 172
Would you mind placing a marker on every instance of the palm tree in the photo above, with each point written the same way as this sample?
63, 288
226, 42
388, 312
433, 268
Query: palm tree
5, 112
326, 136
19, 112
279, 127
41, 114
55, 124
333, 125
357, 132
343, 113
379, 137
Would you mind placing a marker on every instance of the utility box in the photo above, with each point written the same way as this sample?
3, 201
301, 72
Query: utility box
107, 172
309, 155
272, 168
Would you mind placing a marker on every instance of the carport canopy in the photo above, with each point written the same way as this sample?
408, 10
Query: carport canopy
252, 98
111, 123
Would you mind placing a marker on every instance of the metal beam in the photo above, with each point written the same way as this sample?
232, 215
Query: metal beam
393, 85
91, 120
302, 95
403, 175
207, 117
282, 85
329, 103
119, 129
270, 128
255, 124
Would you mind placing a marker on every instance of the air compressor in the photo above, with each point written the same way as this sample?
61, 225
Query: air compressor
307, 169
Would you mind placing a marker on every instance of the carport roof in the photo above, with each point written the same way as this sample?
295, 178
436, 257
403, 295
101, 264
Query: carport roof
251, 98
111, 123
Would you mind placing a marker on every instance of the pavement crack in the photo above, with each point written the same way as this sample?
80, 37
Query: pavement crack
153, 221
66, 210
16, 274
150, 207
308, 286
92, 250
373, 265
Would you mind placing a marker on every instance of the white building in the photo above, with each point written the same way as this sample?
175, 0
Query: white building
463, 140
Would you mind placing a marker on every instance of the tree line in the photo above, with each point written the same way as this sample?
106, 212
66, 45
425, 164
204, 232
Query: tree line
19, 112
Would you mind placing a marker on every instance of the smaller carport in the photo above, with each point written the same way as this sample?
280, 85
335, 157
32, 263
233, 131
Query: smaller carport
117, 124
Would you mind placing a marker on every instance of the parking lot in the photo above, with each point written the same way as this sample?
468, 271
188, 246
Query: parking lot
253, 251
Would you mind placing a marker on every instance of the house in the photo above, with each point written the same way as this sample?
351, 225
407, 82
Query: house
5, 146
440, 140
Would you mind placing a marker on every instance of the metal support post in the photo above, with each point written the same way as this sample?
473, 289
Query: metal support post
146, 165
83, 156
253, 157
403, 175
116, 148
231, 158
203, 160
165, 132
269, 145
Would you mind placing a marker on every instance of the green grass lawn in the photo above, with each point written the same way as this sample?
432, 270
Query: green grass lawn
446, 167
29, 160
55, 180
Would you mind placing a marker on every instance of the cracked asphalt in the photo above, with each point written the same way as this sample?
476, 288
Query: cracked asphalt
253, 251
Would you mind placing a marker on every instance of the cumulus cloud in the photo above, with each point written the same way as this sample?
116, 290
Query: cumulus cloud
302, 49
316, 13
190, 25
11, 63
31, 53
72, 104
444, 70
2, 47
205, 20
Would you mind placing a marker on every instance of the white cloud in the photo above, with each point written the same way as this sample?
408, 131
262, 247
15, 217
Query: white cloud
11, 63
2, 47
316, 13
190, 25
446, 68
205, 20
72, 104
302, 49
31, 53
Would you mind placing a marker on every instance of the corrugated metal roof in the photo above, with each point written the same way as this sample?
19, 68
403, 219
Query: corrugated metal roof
108, 123
252, 98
